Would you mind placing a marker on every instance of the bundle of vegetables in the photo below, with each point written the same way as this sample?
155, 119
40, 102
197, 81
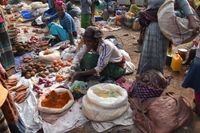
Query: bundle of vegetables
20, 93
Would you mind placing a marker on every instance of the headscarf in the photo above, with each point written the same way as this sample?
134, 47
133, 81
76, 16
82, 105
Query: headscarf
59, 3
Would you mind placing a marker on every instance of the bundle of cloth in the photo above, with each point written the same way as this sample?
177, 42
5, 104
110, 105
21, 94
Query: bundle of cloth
174, 27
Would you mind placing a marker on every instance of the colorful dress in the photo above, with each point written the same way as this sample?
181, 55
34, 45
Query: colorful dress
155, 44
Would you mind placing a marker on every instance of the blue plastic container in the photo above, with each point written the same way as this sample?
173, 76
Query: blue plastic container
97, 18
26, 14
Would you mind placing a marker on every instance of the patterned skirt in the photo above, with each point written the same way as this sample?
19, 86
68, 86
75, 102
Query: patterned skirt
154, 50
6, 54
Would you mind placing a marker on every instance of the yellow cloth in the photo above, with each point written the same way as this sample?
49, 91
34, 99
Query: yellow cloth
196, 3
3, 94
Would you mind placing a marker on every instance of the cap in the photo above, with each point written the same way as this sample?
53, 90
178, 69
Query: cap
93, 32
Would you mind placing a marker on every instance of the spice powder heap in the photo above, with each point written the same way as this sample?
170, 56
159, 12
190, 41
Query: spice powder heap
56, 99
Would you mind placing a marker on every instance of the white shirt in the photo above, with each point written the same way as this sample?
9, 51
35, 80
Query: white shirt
108, 53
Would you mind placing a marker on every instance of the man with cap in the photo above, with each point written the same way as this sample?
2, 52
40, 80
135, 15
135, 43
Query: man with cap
98, 57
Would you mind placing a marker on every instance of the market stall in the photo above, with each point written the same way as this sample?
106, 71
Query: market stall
43, 79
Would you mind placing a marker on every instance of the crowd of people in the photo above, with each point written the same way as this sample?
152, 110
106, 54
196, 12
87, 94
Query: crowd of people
99, 56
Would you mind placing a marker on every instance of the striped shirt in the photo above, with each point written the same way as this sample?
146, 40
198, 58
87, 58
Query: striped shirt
67, 22
107, 51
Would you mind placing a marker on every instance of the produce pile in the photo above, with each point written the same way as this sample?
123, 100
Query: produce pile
19, 92
56, 99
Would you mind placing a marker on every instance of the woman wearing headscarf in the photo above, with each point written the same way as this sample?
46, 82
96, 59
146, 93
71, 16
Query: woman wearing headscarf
99, 57
155, 44
8, 111
66, 30
6, 54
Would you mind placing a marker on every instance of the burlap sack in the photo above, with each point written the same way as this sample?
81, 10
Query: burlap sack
160, 115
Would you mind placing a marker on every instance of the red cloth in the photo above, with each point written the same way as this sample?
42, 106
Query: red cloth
197, 98
59, 3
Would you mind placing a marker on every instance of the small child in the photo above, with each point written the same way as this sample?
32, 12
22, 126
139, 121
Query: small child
192, 78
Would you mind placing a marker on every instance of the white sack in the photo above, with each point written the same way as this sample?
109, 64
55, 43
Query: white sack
174, 28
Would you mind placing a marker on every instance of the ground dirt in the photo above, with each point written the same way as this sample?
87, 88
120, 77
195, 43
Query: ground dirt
129, 39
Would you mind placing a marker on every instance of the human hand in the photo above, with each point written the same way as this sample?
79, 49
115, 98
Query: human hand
3, 73
74, 76
45, 19
193, 24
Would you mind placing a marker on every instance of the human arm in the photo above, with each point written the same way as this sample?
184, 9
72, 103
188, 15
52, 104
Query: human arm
71, 38
3, 73
50, 19
79, 55
77, 75
188, 11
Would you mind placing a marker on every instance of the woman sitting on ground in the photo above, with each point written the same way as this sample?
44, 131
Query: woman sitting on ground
66, 30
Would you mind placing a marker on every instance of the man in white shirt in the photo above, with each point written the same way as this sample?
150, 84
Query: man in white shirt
99, 57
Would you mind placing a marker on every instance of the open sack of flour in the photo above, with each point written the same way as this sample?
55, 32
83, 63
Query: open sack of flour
175, 28
105, 102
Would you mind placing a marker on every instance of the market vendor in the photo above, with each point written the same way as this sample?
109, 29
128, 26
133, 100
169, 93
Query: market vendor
99, 57
66, 30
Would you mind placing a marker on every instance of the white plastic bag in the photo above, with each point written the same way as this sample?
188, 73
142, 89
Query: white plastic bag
105, 102
98, 113
50, 57
117, 96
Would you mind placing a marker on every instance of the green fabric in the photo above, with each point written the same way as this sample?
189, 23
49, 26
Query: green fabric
13, 1
112, 70
89, 61
86, 20
6, 54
